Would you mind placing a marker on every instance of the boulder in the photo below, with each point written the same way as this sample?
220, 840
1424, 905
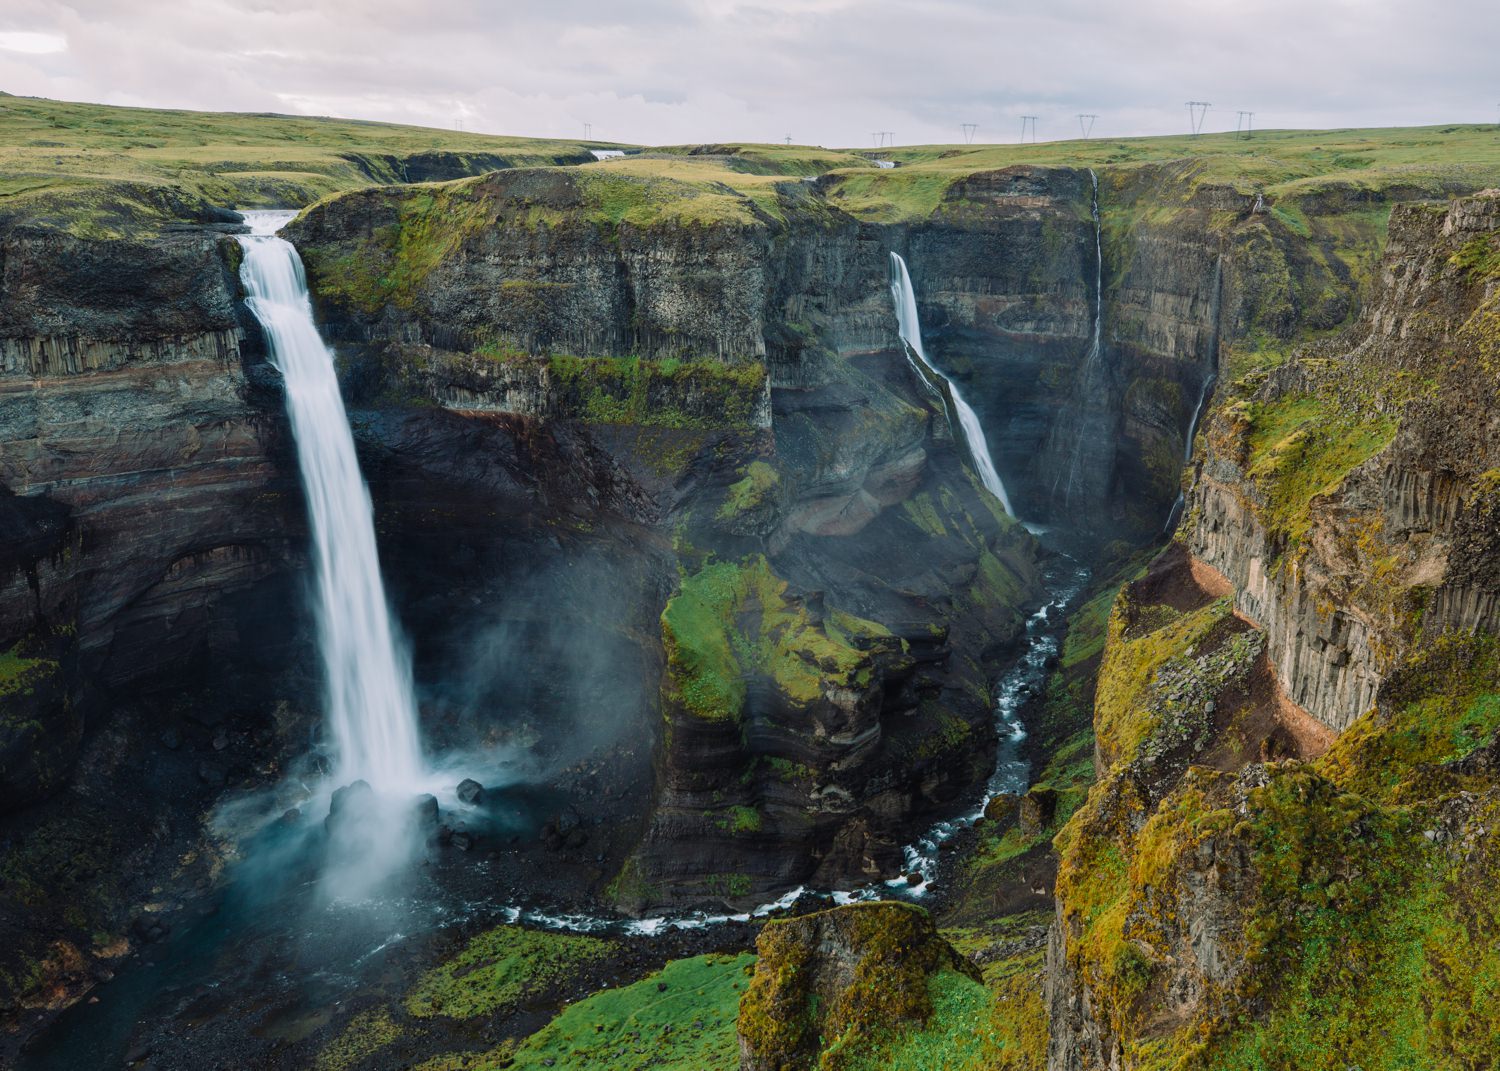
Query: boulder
470, 791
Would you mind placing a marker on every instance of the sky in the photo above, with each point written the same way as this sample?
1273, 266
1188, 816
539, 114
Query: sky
823, 72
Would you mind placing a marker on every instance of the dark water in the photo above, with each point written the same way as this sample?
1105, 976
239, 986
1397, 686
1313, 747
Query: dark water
272, 956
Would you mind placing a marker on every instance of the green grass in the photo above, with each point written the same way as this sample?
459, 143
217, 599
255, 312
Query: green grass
99, 170
1286, 165
501, 969
681, 1018
960, 1035
1302, 446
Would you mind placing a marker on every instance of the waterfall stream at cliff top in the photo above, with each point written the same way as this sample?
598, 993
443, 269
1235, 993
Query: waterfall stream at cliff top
968, 429
371, 708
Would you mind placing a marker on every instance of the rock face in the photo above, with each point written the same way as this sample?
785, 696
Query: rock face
1255, 810
150, 518
1394, 544
826, 981
840, 579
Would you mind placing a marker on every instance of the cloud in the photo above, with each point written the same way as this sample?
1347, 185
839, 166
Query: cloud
822, 71
36, 44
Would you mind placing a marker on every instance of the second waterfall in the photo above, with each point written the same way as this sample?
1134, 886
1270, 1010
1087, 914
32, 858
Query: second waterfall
966, 422
371, 707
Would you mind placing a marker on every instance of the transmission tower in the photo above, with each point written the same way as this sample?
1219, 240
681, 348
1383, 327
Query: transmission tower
1086, 124
1197, 110
788, 139
1031, 120
1245, 119
588, 131
969, 129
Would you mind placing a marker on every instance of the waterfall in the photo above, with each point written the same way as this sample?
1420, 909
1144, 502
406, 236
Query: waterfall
968, 429
1096, 346
371, 708
1203, 394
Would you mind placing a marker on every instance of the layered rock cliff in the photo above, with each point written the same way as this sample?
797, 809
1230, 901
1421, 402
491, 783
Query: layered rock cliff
1296, 709
842, 580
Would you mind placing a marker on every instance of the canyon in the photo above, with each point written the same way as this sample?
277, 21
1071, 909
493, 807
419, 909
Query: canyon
677, 534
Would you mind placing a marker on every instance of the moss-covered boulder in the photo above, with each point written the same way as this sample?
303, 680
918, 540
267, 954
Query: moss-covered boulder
829, 985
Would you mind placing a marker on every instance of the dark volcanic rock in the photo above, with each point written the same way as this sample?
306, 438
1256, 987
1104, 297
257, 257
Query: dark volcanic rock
470, 791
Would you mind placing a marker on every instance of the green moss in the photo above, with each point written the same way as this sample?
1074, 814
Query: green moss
1479, 257
652, 392
759, 483
1302, 446
741, 820
960, 1034
20, 675
1124, 716
730, 621
680, 1018
502, 967
365, 1035
890, 981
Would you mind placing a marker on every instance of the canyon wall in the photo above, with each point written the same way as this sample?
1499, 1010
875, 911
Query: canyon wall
1296, 709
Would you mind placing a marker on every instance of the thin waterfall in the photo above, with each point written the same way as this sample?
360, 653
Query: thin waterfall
968, 428
1203, 395
1096, 346
1187, 447
371, 707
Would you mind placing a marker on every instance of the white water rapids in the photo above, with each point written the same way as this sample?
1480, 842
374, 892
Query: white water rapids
371, 708
909, 325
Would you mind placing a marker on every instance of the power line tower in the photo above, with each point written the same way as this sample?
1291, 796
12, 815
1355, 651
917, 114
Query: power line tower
1031, 121
1247, 120
788, 139
888, 139
969, 129
1086, 124
1197, 110
588, 131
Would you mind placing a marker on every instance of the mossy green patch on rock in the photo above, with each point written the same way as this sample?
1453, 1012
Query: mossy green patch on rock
679, 1019
728, 622
750, 492
834, 987
1305, 445
502, 967
364, 1036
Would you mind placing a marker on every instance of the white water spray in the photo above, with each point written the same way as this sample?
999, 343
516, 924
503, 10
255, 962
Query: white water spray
969, 430
371, 708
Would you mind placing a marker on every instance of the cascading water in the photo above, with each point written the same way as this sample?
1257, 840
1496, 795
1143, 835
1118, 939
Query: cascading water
371, 708
1203, 395
1187, 447
1096, 346
969, 430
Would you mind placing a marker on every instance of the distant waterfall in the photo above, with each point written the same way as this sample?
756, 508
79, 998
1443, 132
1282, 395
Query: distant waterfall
969, 430
1203, 395
1187, 447
371, 708
1096, 346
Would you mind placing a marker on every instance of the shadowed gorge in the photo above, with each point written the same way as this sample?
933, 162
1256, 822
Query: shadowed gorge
1023, 607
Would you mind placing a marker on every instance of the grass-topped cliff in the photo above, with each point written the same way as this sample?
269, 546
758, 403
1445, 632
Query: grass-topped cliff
99, 170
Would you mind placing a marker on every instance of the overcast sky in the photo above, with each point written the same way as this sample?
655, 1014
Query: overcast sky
822, 71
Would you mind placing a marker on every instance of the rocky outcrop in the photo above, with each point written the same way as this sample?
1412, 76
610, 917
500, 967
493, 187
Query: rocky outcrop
1349, 542
832, 980
1344, 511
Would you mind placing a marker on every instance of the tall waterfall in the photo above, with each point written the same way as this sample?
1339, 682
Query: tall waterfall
371, 708
969, 430
1096, 346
